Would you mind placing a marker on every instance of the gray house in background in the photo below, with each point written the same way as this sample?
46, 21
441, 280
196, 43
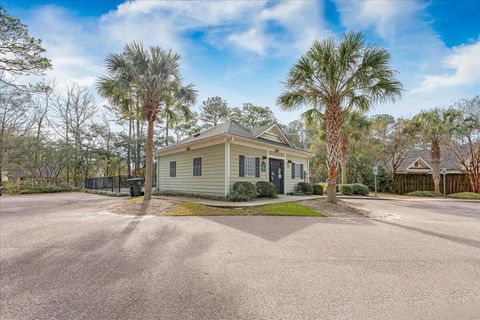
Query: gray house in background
420, 162
211, 161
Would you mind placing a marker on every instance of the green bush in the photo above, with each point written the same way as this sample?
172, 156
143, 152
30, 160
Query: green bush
243, 191
422, 194
360, 189
305, 187
266, 189
346, 189
317, 189
466, 195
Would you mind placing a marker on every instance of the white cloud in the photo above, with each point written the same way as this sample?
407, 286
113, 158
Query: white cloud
259, 27
465, 63
387, 18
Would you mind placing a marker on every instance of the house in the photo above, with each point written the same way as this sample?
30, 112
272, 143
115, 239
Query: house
420, 162
211, 161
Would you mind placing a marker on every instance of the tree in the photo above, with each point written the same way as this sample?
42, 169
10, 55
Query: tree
434, 126
20, 54
335, 76
213, 111
254, 116
465, 139
296, 133
155, 75
393, 139
355, 126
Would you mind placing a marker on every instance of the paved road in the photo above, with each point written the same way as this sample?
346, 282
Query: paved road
62, 258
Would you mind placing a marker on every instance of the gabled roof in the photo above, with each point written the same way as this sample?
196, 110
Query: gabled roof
233, 128
447, 160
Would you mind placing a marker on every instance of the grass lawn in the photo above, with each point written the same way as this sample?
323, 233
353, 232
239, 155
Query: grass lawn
277, 209
465, 195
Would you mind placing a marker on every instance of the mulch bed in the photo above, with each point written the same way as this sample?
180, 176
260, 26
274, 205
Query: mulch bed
138, 207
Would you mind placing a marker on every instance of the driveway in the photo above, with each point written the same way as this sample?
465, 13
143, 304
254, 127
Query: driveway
63, 257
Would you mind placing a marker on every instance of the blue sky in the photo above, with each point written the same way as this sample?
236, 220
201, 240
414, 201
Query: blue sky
242, 51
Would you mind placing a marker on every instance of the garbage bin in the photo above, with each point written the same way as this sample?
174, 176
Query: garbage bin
136, 185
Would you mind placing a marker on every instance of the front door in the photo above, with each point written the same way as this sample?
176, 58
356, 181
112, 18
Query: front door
277, 174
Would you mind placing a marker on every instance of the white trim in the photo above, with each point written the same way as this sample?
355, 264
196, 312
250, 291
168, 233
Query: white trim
419, 158
158, 173
285, 174
227, 168
279, 130
275, 156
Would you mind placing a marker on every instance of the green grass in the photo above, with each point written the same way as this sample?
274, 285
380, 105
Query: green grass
430, 194
106, 193
277, 209
42, 190
465, 195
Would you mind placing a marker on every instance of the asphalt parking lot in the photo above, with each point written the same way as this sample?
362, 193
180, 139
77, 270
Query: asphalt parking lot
63, 256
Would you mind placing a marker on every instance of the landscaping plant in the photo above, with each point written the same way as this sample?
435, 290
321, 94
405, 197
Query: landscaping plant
243, 191
266, 189
305, 187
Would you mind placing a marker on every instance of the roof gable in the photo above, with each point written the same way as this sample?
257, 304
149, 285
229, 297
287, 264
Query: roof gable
419, 163
272, 133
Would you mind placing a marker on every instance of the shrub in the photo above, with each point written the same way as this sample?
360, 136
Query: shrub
317, 189
243, 191
466, 195
360, 189
419, 193
304, 187
346, 189
266, 189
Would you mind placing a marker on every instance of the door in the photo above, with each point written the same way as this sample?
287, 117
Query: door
276, 173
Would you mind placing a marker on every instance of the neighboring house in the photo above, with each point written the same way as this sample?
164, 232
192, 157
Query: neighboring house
211, 161
420, 161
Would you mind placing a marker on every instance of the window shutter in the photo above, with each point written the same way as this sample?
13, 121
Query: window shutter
293, 170
241, 166
301, 171
257, 167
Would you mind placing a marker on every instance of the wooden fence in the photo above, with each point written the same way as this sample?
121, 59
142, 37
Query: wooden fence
424, 182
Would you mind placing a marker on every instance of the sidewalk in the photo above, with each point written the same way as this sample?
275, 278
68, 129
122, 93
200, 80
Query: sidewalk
230, 204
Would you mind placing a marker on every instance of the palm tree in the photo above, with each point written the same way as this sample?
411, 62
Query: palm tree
434, 125
335, 76
154, 75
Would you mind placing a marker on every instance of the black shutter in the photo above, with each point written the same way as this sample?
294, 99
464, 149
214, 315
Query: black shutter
199, 166
293, 170
301, 171
241, 166
257, 167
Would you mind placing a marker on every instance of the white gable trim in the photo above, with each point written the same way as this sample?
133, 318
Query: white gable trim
419, 158
278, 131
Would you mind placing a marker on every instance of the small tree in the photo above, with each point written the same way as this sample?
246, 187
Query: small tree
213, 111
20, 54
254, 116
465, 139
434, 126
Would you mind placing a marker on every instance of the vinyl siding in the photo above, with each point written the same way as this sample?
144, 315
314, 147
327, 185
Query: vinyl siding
291, 184
235, 152
212, 180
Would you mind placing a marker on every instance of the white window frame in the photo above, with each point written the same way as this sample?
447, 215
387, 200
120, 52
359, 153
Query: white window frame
249, 166
298, 171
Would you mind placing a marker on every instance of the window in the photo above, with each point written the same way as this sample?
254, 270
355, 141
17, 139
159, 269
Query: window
249, 166
173, 168
197, 166
297, 171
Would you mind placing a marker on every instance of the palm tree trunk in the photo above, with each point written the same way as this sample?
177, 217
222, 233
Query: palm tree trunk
334, 123
435, 152
344, 158
149, 161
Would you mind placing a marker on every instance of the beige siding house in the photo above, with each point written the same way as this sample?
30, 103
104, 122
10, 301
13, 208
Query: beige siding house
211, 161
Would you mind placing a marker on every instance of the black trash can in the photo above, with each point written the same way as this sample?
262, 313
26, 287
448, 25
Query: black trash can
136, 185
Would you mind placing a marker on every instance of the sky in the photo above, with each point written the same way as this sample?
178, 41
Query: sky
242, 50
